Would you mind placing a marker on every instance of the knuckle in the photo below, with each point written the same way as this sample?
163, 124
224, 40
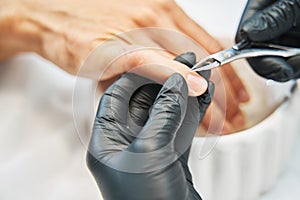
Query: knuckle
135, 59
146, 17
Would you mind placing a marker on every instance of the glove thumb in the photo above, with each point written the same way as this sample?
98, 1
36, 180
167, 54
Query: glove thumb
165, 117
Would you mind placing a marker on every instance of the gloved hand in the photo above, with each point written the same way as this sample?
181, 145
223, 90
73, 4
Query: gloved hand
141, 138
276, 22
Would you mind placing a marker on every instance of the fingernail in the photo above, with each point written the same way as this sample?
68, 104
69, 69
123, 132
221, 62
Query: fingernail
197, 84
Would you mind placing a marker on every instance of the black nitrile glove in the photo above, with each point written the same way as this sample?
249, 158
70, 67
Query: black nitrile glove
275, 22
141, 138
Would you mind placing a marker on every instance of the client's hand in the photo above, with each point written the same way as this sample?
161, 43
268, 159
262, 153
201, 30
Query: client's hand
275, 22
66, 32
142, 136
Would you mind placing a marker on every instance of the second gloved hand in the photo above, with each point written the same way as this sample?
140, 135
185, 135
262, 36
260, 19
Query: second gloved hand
141, 139
275, 22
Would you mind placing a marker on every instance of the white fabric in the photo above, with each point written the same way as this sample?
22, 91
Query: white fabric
41, 155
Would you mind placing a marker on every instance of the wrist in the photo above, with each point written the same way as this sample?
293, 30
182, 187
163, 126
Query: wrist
18, 32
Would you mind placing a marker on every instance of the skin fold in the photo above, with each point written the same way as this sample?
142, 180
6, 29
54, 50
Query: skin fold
66, 32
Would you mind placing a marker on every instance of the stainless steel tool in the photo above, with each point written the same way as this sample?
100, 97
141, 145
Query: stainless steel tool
244, 49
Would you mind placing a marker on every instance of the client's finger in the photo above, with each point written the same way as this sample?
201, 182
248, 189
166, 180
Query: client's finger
153, 65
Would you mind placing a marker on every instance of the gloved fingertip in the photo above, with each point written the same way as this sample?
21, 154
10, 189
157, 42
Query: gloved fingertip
288, 73
241, 35
208, 95
253, 30
211, 88
205, 99
206, 74
188, 58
